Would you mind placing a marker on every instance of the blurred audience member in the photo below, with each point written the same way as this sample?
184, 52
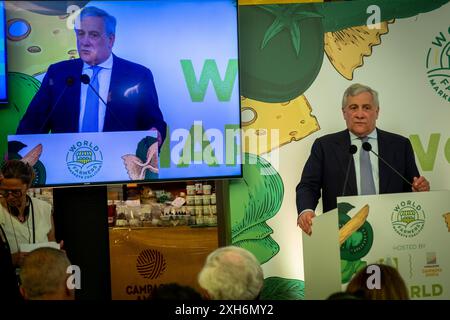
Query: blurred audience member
24, 219
44, 275
378, 282
231, 273
175, 291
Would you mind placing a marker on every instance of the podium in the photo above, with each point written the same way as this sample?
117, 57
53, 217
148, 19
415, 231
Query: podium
409, 231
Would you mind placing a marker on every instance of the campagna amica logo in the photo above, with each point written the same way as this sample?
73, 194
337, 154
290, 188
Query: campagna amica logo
408, 218
150, 264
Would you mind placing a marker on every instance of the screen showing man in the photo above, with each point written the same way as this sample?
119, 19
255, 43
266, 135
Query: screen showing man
170, 111
97, 92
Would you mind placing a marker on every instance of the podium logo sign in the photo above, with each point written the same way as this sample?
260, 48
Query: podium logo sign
408, 219
438, 64
84, 159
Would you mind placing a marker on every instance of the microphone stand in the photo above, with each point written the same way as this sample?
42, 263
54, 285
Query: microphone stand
368, 147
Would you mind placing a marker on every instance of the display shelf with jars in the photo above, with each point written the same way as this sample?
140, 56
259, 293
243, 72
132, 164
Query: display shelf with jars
163, 205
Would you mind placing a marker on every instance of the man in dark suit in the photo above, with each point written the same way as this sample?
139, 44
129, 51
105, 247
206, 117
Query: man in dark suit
325, 169
62, 103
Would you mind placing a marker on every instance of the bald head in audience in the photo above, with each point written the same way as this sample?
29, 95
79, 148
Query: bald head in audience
44, 275
231, 273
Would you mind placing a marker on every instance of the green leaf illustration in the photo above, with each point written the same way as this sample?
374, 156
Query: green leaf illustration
259, 231
286, 17
21, 90
276, 288
255, 198
141, 153
344, 207
263, 249
349, 268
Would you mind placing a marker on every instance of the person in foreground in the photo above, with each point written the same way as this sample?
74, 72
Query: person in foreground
66, 103
326, 172
378, 282
231, 273
44, 275
24, 219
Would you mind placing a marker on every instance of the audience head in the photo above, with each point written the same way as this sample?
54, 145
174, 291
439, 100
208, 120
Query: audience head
231, 273
16, 179
44, 275
391, 284
175, 291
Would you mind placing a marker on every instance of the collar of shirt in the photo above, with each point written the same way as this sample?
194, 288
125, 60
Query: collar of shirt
372, 136
107, 64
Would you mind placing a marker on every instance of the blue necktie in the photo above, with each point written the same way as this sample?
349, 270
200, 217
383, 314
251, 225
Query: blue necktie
367, 182
90, 119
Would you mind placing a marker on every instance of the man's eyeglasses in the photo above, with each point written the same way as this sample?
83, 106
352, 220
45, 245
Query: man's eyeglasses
14, 193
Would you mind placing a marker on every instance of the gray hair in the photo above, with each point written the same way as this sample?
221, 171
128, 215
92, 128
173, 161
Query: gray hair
109, 20
231, 273
356, 89
44, 272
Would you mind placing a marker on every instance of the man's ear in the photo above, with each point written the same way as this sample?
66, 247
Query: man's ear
111, 39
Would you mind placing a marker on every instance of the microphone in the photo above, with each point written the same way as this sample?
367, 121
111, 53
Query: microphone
69, 82
352, 150
368, 147
87, 80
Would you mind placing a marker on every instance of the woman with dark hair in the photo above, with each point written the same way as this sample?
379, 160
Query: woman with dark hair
25, 220
386, 283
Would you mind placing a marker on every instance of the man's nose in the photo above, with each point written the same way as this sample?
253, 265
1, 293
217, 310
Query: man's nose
360, 113
83, 40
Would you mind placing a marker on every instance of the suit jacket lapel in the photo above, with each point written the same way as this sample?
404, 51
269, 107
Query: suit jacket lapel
342, 146
72, 103
384, 151
114, 91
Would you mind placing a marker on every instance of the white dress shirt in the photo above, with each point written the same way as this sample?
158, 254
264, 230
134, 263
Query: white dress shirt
104, 79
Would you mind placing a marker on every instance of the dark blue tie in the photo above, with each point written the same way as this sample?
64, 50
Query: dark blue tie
90, 119
366, 178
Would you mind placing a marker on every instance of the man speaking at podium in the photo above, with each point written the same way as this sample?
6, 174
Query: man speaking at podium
98, 92
360, 160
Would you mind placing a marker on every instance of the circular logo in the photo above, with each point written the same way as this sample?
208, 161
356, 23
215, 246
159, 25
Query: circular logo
438, 65
359, 243
408, 219
150, 264
84, 159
